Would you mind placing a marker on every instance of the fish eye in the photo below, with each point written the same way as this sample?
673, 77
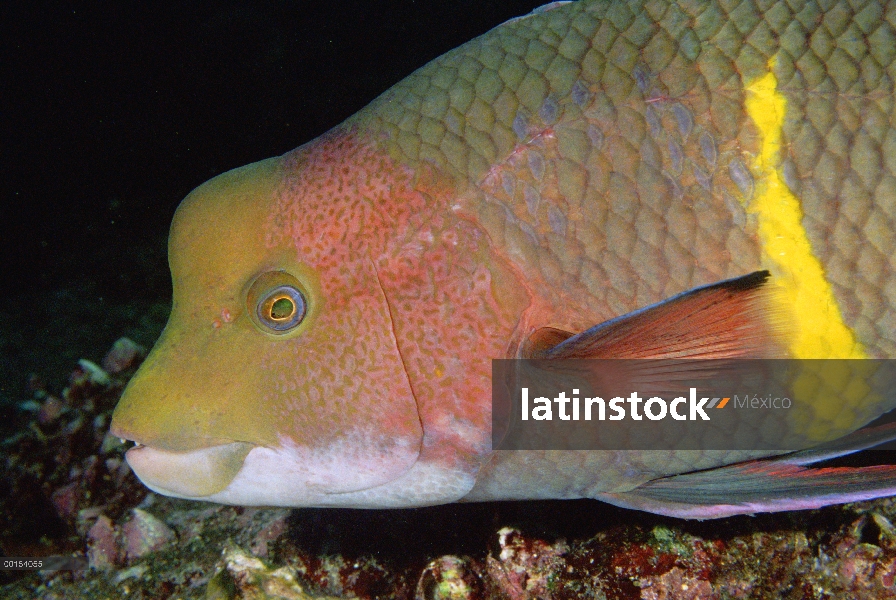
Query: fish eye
276, 302
282, 309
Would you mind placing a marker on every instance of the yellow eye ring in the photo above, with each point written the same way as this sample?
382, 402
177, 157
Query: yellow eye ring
281, 309
276, 302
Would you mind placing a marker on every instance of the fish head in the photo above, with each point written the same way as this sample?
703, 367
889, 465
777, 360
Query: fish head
277, 379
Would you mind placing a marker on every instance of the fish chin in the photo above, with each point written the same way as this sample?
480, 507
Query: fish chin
289, 475
273, 477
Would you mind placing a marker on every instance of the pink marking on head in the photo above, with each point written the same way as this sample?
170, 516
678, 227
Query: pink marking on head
372, 227
343, 200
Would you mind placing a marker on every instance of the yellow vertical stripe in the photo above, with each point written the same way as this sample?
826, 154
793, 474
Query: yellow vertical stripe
819, 328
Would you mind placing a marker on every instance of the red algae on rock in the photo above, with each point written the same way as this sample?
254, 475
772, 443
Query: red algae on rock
525, 568
143, 534
448, 578
676, 584
102, 544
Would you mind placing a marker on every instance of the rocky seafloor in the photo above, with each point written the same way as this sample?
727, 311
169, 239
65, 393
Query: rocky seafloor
65, 489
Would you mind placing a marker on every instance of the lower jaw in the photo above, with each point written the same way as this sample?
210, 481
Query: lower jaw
192, 474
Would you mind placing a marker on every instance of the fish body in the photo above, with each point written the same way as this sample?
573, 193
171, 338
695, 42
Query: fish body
562, 170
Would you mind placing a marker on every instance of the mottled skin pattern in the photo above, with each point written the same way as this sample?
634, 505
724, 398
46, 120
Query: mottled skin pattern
563, 169
605, 149
361, 220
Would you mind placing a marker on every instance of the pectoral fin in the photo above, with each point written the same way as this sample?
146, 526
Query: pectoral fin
729, 319
771, 485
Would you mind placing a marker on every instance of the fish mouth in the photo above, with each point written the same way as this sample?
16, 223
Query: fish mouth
188, 474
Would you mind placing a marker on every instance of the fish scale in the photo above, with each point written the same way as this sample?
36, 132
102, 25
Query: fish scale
661, 204
569, 176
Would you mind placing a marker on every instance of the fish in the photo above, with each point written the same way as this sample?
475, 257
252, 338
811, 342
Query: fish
615, 179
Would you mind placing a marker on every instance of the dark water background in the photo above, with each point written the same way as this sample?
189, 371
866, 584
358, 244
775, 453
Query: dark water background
112, 112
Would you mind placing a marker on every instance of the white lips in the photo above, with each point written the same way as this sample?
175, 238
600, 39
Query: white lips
191, 474
288, 475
